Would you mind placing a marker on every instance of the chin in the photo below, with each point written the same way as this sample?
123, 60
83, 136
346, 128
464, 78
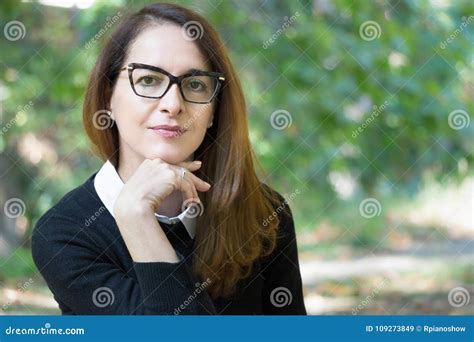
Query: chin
168, 156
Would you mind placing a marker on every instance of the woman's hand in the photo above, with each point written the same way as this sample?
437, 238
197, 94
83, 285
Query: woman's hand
139, 199
153, 181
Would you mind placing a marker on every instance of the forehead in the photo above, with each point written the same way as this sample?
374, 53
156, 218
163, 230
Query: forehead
164, 45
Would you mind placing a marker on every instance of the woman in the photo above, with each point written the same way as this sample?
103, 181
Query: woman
176, 221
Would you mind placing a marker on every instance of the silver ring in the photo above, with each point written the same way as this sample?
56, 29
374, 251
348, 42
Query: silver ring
183, 172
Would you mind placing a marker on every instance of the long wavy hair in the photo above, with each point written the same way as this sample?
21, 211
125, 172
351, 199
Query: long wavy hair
231, 234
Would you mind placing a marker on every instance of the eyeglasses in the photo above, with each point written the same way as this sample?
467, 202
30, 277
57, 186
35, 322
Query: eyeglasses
152, 82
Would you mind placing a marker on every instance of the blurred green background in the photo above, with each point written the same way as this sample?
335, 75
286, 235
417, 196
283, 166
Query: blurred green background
360, 113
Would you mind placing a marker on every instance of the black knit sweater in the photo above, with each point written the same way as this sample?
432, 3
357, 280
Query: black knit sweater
81, 254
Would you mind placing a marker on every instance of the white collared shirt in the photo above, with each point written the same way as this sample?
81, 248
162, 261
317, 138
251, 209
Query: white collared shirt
108, 185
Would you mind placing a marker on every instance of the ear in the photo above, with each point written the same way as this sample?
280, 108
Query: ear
211, 122
110, 108
111, 114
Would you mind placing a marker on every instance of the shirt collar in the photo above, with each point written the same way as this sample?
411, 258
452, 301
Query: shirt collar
108, 185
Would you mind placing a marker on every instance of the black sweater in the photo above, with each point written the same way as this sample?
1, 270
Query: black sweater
81, 254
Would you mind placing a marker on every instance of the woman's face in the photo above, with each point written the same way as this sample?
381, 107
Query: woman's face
137, 117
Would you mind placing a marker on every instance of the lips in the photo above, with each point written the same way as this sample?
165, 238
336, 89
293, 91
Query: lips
168, 131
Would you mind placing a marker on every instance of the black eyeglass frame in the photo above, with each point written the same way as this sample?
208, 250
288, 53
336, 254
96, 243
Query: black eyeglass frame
174, 80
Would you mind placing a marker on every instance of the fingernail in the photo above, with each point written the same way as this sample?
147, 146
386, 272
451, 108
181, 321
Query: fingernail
209, 185
197, 162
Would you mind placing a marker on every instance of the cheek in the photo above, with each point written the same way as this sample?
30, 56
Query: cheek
199, 118
200, 125
127, 109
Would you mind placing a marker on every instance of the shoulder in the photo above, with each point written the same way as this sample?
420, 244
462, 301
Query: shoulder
64, 224
284, 256
280, 203
282, 212
76, 202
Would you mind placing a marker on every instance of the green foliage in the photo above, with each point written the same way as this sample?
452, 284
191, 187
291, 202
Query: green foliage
18, 265
316, 66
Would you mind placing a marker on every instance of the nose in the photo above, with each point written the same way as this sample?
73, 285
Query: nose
172, 102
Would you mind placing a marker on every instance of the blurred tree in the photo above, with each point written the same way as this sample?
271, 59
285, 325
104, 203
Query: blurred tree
366, 89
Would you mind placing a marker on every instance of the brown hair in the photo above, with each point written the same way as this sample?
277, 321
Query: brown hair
231, 234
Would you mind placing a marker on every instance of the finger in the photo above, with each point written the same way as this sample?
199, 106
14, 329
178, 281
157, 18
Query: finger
187, 187
191, 184
195, 193
187, 190
191, 166
199, 183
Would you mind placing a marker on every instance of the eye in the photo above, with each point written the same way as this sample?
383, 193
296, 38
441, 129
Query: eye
196, 85
149, 81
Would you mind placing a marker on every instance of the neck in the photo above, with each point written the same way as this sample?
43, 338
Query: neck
170, 206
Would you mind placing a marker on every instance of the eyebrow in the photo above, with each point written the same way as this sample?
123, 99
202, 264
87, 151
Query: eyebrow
190, 71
